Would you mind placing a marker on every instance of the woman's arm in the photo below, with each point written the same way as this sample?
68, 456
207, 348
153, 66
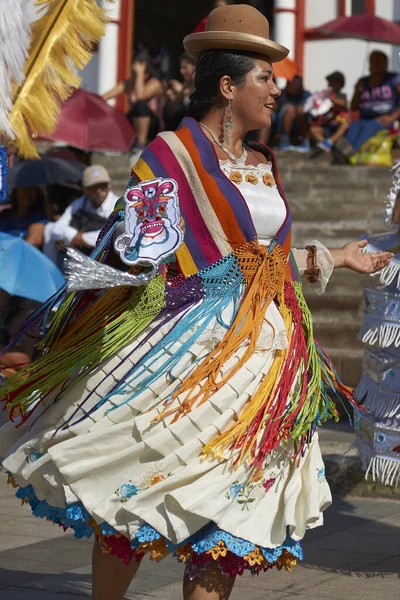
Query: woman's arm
115, 91
142, 89
324, 264
342, 102
146, 90
386, 120
355, 101
351, 256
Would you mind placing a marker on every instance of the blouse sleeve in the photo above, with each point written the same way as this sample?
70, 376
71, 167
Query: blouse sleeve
324, 264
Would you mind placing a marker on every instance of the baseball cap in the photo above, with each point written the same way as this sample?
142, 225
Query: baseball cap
336, 76
95, 174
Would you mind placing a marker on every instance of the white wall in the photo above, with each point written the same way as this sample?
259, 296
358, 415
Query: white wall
349, 56
320, 11
100, 74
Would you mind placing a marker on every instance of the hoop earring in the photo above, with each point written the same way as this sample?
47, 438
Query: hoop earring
228, 122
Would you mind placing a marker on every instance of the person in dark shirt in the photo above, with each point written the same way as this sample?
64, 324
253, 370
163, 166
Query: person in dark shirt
178, 93
377, 98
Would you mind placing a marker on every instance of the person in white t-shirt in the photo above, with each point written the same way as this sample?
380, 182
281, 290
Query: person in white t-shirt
81, 222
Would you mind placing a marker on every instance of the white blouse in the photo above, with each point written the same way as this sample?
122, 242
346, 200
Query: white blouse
265, 203
268, 211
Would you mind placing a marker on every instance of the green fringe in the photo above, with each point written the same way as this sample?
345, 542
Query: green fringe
101, 331
319, 407
58, 324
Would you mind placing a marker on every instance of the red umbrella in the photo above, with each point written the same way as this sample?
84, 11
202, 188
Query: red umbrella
86, 121
363, 27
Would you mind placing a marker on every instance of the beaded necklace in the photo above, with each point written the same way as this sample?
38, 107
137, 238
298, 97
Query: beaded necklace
241, 160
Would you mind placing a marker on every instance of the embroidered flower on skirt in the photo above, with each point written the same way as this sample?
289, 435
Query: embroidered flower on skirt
151, 477
253, 489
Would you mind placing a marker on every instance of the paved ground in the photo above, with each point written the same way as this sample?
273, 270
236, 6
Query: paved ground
355, 555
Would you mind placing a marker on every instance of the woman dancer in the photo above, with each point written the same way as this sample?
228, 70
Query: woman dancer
181, 417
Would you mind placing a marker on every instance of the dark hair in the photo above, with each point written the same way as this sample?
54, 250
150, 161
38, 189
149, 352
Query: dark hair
211, 66
37, 205
188, 58
380, 53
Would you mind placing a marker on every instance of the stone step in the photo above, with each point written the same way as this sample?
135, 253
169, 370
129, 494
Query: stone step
333, 235
336, 333
323, 202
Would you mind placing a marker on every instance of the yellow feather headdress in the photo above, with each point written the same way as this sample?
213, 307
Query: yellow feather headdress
61, 43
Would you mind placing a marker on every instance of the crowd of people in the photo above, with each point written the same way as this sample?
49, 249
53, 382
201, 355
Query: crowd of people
326, 122
50, 218
323, 122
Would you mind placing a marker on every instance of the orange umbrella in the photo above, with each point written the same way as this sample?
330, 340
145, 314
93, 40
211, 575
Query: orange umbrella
286, 68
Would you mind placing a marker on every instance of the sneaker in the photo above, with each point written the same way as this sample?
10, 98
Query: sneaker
304, 147
326, 146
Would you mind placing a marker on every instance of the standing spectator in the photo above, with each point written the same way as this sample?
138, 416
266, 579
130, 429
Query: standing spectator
178, 93
81, 222
291, 121
328, 128
144, 90
377, 99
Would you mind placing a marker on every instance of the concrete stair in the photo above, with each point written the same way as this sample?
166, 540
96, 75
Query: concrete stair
334, 204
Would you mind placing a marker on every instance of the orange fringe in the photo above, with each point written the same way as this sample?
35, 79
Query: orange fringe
264, 274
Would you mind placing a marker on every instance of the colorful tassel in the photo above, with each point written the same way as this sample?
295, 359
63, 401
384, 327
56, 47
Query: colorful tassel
264, 273
101, 330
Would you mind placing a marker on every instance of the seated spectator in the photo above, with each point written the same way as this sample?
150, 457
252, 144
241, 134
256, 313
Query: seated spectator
327, 128
28, 208
144, 90
81, 222
177, 93
291, 121
377, 99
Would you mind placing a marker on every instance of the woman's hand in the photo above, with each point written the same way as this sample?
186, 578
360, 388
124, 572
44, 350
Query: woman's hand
351, 256
139, 67
385, 120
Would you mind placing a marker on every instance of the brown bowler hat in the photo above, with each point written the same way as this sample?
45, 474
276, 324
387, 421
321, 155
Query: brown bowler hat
235, 27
